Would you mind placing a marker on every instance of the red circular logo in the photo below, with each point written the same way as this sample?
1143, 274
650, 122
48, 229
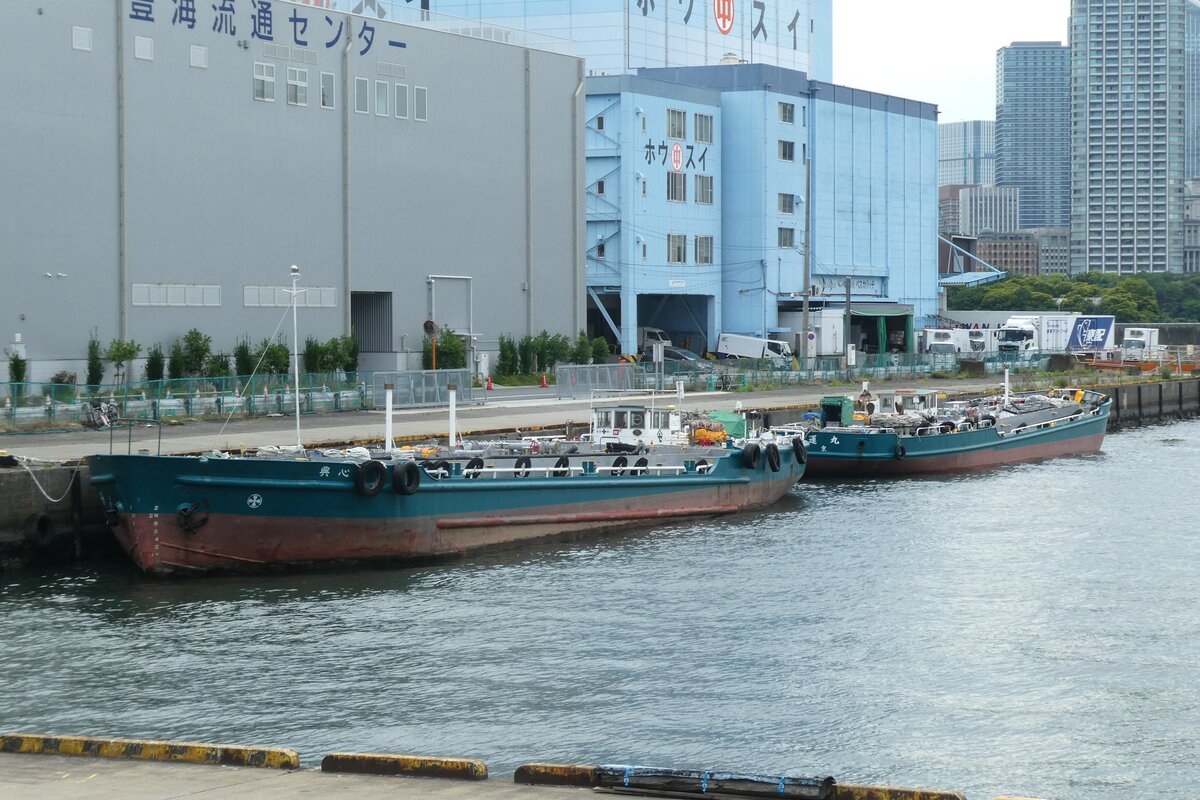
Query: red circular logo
676, 157
723, 14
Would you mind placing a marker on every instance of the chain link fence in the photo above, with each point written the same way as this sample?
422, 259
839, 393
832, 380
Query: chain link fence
425, 387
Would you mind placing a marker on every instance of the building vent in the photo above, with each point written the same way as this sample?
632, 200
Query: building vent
277, 51
730, 58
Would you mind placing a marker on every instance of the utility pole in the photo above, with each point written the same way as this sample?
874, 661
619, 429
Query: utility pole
804, 284
846, 328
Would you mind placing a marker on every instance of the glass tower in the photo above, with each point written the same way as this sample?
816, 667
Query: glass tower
1033, 129
967, 152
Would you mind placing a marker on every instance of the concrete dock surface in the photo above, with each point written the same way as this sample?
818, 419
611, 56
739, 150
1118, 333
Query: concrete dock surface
46, 777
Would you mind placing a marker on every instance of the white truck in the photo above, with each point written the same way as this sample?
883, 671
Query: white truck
1141, 343
648, 337
1056, 333
734, 344
967, 342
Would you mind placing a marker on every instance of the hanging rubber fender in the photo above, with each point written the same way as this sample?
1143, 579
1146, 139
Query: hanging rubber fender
521, 468
39, 530
799, 449
640, 467
369, 478
751, 454
618, 466
900, 452
406, 478
562, 467
474, 468
437, 469
773, 456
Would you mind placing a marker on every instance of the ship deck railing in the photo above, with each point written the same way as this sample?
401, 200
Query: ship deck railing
128, 424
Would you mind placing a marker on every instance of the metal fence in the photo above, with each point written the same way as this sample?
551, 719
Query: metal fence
587, 380
425, 387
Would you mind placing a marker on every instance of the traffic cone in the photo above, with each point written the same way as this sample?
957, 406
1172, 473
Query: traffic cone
489, 386
544, 384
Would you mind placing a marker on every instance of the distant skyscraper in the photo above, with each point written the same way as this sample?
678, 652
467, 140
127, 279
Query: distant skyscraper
988, 209
1129, 87
966, 152
1033, 129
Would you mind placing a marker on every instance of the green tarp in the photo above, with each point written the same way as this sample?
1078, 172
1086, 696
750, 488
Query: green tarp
734, 423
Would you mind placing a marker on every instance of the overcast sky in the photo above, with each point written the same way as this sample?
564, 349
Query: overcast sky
937, 51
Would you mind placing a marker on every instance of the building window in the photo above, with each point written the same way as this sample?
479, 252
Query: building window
280, 297
420, 104
264, 81
787, 150
600, 252
677, 187
704, 249
676, 248
600, 186
600, 123
643, 123
676, 124
297, 86
645, 248
327, 94
382, 94
176, 294
787, 237
787, 203
704, 128
704, 189
362, 99
787, 113
401, 101
199, 56
643, 187
81, 38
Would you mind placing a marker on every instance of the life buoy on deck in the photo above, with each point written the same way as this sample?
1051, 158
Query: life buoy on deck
406, 477
900, 452
369, 478
799, 449
751, 454
773, 456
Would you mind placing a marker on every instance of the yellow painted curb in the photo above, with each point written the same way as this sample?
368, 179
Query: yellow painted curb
150, 750
464, 769
850, 792
556, 774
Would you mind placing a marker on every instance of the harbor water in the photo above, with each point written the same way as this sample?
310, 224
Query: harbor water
1031, 630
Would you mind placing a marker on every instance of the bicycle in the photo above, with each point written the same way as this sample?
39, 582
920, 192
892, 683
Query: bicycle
101, 414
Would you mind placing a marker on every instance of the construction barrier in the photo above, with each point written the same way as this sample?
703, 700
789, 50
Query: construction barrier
150, 750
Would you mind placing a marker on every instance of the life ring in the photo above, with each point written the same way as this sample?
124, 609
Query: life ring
406, 477
751, 454
618, 466
640, 467
369, 478
900, 452
562, 467
800, 451
522, 467
773, 456
474, 468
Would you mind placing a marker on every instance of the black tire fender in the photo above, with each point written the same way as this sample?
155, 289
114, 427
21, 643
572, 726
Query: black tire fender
474, 468
800, 451
901, 452
773, 456
618, 466
640, 467
406, 478
369, 478
751, 456
521, 468
562, 467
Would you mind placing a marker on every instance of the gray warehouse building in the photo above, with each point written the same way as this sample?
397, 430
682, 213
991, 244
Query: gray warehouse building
163, 163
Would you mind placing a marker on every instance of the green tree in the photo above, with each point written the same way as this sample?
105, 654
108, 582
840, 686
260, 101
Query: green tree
313, 355
217, 366
176, 361
18, 368
526, 355
244, 359
451, 351
1120, 304
196, 349
155, 361
600, 350
581, 353
121, 353
509, 363
276, 359
95, 363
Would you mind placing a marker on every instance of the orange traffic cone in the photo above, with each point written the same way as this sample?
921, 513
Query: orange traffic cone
489, 387
544, 384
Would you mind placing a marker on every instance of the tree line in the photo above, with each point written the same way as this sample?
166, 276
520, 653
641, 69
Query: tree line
1144, 298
